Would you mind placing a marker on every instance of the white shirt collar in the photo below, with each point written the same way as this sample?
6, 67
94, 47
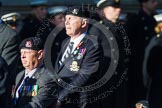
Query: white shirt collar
77, 40
30, 73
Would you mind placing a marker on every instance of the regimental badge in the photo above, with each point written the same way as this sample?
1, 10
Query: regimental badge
28, 44
75, 11
74, 66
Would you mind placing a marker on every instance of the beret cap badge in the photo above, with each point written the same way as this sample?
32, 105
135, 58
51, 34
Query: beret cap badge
75, 11
28, 44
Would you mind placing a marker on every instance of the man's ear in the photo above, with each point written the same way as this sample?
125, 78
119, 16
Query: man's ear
40, 54
84, 23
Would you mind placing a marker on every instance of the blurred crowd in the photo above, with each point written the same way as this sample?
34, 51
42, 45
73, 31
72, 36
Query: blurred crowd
140, 89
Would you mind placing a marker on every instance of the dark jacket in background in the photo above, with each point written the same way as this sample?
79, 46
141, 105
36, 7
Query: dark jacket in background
30, 27
3, 83
140, 29
9, 50
153, 61
118, 98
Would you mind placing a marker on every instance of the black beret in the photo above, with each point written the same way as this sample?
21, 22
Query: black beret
79, 11
103, 3
34, 43
141, 1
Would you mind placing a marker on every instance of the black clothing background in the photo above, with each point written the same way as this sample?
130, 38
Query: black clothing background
117, 99
155, 73
4, 83
140, 29
30, 27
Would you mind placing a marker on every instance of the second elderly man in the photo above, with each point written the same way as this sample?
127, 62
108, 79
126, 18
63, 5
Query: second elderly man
35, 86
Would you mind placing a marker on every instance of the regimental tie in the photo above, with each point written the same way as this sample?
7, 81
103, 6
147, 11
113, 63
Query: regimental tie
21, 89
22, 86
67, 53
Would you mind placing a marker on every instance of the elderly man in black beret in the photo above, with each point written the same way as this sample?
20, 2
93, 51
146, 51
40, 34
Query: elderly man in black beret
35, 85
78, 62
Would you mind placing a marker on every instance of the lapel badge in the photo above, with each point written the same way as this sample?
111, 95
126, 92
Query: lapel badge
74, 66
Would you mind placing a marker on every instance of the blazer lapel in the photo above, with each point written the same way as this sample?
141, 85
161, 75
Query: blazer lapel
82, 42
18, 81
38, 72
58, 67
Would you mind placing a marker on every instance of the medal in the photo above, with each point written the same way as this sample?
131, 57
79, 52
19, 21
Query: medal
81, 53
34, 90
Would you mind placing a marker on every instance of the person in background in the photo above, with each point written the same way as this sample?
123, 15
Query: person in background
4, 83
34, 20
140, 29
57, 14
35, 86
14, 20
152, 67
56, 20
9, 51
110, 11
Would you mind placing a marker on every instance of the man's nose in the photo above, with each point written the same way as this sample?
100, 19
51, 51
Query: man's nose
66, 21
22, 55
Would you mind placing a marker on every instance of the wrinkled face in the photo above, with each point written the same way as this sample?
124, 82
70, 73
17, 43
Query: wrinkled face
30, 58
112, 13
74, 25
150, 5
40, 12
59, 19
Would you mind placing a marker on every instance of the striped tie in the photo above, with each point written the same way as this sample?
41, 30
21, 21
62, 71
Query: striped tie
68, 52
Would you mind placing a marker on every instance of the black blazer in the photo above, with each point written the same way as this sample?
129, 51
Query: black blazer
80, 69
